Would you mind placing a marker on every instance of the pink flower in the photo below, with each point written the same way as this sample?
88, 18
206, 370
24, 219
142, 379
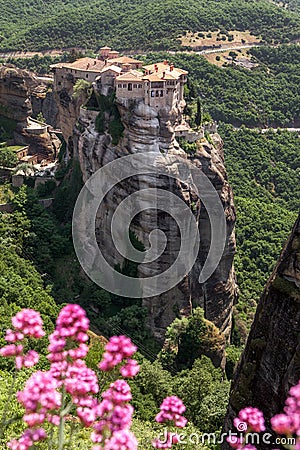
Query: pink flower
28, 360
29, 323
13, 336
11, 350
81, 380
73, 323
118, 392
252, 417
171, 409
117, 349
121, 417
28, 438
282, 424
121, 440
130, 369
31, 358
289, 423
71, 326
39, 396
86, 415
115, 414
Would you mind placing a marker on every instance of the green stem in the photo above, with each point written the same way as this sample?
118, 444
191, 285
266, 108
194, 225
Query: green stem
3, 422
71, 434
61, 429
50, 438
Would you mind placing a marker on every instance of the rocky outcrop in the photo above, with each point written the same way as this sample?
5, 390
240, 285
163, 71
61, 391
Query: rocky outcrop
14, 93
270, 364
146, 130
16, 86
43, 101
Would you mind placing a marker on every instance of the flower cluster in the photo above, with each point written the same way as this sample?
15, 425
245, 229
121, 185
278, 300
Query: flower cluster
39, 397
81, 383
118, 349
171, 410
113, 428
28, 439
26, 323
29, 323
43, 396
251, 417
289, 422
249, 420
68, 341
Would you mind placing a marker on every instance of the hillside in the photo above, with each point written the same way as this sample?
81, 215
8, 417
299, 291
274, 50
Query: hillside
268, 95
133, 25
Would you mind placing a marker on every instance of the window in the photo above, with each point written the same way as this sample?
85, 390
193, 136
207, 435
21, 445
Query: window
124, 86
156, 93
140, 86
134, 86
130, 86
119, 85
59, 83
152, 93
161, 93
87, 75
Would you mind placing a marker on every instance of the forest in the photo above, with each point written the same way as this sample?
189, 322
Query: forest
40, 25
265, 96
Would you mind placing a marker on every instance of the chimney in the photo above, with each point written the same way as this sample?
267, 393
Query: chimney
88, 66
171, 67
156, 68
166, 62
163, 74
95, 62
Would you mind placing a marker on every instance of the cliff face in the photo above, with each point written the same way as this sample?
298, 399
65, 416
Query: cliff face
43, 100
14, 93
147, 130
270, 364
15, 88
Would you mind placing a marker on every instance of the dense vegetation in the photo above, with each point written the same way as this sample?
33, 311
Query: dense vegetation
25, 235
264, 171
136, 24
260, 97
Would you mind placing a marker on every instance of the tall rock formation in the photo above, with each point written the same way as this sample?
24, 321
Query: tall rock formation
146, 129
270, 364
15, 91
43, 101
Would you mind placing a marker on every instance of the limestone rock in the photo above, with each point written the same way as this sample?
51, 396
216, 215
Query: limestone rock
14, 93
43, 101
146, 129
270, 364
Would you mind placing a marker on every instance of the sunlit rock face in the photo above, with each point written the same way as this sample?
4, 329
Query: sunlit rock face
14, 93
147, 130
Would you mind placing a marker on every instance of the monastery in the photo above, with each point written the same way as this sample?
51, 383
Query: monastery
158, 85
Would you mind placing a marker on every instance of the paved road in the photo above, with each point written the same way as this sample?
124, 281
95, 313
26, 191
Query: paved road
216, 50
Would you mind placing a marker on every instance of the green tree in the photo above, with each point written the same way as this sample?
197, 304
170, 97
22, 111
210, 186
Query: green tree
8, 157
